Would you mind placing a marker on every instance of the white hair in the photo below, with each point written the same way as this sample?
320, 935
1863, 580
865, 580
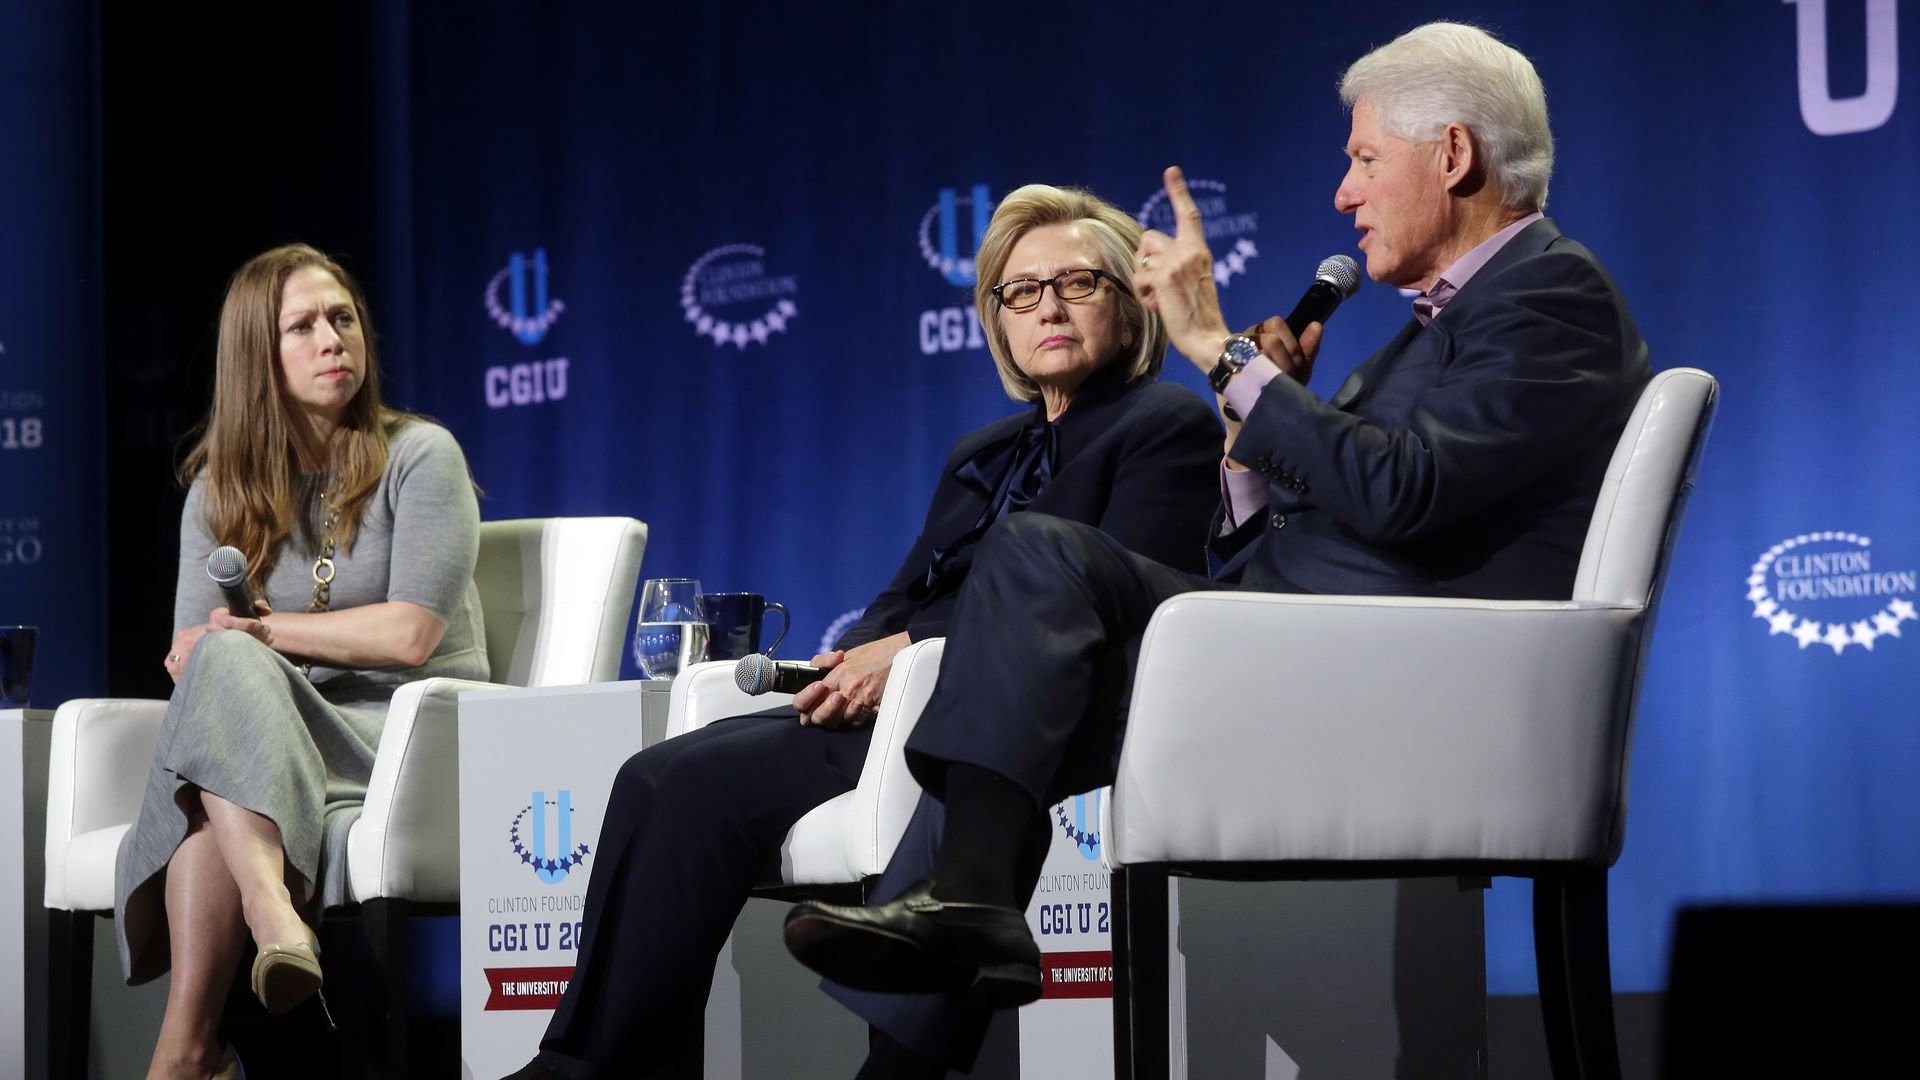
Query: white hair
1447, 73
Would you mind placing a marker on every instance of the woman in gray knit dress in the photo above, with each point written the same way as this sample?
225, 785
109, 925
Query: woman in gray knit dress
360, 530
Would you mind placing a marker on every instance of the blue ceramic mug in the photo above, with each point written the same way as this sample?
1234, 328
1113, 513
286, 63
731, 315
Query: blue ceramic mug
16, 665
733, 623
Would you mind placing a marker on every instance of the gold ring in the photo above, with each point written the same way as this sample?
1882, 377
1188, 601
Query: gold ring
1146, 262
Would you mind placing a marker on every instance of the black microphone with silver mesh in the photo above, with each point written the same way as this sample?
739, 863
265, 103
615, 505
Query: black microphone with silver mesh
758, 674
1336, 278
228, 569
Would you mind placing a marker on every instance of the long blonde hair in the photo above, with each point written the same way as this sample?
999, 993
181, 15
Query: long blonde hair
249, 455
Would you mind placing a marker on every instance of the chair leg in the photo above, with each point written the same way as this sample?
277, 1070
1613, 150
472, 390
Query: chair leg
1141, 1050
1576, 981
69, 991
383, 925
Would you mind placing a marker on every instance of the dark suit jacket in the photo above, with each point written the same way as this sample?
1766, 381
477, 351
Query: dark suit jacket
1463, 458
1138, 461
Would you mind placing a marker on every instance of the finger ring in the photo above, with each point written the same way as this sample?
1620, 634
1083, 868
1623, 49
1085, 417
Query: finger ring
1146, 262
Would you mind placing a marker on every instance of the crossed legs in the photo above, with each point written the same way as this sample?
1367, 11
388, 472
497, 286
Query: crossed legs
226, 880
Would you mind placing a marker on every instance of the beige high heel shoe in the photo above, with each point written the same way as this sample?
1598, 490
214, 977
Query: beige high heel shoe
286, 975
230, 1067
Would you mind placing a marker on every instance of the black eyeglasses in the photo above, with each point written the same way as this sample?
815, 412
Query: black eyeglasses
1023, 294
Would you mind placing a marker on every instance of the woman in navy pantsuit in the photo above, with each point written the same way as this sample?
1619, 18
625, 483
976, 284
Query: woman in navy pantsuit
695, 822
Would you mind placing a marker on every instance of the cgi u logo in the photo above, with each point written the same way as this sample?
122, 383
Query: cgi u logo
1082, 832
958, 269
552, 871
527, 326
1824, 115
530, 317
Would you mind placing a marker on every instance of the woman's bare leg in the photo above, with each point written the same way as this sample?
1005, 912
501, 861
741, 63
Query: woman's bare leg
207, 935
257, 863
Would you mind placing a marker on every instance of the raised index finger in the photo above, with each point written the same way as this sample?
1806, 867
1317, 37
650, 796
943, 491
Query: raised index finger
1186, 215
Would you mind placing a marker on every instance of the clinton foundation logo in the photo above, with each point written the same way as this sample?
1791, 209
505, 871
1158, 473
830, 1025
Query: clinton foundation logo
1828, 588
729, 295
950, 233
842, 623
517, 301
1229, 235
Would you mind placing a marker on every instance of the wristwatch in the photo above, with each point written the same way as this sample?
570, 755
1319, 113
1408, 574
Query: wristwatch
1236, 354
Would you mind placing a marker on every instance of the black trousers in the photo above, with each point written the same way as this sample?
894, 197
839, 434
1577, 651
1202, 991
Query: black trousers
1038, 668
1034, 684
693, 824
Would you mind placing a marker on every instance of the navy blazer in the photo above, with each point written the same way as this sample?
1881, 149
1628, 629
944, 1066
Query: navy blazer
1463, 458
1139, 461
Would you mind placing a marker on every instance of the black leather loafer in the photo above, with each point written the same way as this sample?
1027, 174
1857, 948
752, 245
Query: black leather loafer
916, 943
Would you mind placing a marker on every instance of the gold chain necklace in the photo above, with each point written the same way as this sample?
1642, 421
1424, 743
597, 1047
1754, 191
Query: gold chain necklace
323, 559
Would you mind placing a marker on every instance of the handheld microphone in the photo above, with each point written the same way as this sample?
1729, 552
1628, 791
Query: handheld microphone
1336, 278
757, 674
228, 569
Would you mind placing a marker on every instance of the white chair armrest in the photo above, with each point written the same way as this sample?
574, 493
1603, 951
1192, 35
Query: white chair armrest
1278, 727
706, 692
96, 774
406, 844
884, 799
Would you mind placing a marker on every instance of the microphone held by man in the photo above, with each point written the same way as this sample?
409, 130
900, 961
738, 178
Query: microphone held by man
1335, 279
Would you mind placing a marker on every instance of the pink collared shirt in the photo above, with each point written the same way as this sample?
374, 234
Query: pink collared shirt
1244, 492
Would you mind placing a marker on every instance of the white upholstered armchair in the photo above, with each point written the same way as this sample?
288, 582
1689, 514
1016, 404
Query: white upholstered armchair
847, 840
1298, 737
555, 596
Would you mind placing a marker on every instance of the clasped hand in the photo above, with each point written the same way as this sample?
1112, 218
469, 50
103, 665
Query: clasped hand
850, 694
218, 619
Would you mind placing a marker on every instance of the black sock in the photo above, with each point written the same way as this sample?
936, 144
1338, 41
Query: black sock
991, 822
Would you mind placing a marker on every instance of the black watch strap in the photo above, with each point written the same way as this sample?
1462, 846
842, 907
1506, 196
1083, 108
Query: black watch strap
1238, 351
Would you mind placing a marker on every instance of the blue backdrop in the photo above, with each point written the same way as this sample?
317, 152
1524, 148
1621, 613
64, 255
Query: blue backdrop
51, 444
709, 266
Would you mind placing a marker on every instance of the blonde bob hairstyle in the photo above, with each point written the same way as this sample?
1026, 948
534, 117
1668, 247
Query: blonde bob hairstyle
250, 454
1115, 235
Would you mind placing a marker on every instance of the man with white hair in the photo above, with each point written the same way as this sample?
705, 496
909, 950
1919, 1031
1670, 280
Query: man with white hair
1460, 460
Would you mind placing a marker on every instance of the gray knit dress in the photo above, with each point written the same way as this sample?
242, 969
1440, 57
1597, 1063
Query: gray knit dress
245, 724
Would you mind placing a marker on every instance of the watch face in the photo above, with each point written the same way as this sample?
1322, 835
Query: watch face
1238, 353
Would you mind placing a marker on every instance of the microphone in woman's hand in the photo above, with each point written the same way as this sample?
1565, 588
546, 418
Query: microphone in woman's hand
757, 674
228, 569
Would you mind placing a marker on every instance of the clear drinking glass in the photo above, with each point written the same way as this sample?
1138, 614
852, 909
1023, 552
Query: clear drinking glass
672, 631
